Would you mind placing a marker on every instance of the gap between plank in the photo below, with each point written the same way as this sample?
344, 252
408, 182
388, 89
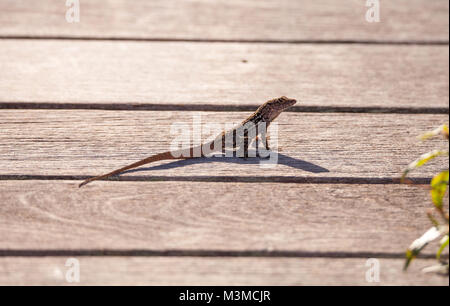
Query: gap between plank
201, 253
228, 179
220, 108
249, 41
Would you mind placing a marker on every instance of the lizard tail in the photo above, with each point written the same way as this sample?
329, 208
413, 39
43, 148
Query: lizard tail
153, 158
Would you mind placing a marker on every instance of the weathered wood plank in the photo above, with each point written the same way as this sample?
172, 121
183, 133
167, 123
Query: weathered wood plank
212, 271
69, 142
301, 219
204, 73
273, 20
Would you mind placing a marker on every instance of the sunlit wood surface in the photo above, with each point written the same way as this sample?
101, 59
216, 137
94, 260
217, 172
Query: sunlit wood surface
80, 99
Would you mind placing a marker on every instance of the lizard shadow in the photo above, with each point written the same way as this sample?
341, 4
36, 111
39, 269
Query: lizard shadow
281, 159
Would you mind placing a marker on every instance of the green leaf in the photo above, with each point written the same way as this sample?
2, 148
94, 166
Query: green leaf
422, 160
438, 188
444, 244
442, 130
409, 257
419, 244
433, 219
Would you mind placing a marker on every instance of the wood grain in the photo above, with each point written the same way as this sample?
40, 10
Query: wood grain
79, 143
267, 20
199, 219
244, 227
186, 74
212, 271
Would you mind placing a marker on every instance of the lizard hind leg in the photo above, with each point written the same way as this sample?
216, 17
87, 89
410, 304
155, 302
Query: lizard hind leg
242, 152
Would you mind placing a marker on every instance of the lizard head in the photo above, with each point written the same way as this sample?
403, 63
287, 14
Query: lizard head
271, 109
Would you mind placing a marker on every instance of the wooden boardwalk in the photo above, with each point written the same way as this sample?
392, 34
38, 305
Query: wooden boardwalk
80, 99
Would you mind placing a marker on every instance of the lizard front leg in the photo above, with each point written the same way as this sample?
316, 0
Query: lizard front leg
266, 138
266, 143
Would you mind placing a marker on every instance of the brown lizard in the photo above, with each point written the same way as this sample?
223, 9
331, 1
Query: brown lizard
242, 136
